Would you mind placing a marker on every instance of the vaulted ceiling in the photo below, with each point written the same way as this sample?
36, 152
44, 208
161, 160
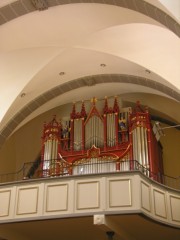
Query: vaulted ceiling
75, 50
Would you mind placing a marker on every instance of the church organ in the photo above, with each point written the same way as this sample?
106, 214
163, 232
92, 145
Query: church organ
100, 140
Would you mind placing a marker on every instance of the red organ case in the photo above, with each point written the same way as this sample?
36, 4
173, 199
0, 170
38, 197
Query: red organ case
101, 140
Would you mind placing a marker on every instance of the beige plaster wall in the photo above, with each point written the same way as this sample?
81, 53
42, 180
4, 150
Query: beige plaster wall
171, 151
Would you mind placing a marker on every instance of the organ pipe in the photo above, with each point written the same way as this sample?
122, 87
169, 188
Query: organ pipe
140, 145
111, 130
146, 148
143, 146
77, 134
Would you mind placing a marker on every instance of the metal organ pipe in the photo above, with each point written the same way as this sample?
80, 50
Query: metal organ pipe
87, 135
99, 134
47, 156
108, 131
146, 148
135, 149
98, 137
53, 153
92, 132
45, 163
140, 146
114, 130
55, 149
77, 134
94, 137
111, 130
143, 146
45, 149
111, 126
48, 150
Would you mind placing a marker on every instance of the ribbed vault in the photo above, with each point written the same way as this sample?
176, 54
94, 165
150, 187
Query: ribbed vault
79, 83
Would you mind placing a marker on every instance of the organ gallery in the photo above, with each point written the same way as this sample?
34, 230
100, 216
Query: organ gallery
99, 139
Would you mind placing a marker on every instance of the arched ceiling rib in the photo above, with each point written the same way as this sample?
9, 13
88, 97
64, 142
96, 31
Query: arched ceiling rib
79, 83
19, 8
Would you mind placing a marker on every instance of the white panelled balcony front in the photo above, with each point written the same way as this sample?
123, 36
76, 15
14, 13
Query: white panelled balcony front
89, 195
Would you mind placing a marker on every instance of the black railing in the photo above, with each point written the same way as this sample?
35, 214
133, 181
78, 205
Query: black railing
12, 177
55, 168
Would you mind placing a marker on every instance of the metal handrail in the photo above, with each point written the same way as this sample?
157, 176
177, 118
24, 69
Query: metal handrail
56, 168
12, 176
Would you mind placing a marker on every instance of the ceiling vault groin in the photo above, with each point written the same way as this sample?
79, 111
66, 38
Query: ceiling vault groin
79, 83
22, 7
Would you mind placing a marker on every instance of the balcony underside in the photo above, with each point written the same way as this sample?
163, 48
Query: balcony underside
133, 226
